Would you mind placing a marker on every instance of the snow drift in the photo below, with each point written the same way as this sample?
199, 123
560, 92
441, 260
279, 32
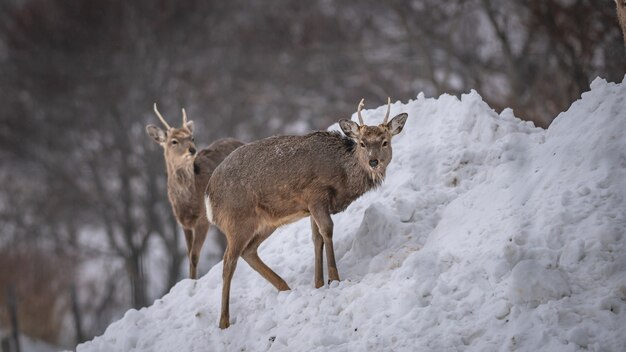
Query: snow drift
488, 234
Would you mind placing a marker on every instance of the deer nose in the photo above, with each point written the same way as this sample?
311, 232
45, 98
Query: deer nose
373, 163
192, 150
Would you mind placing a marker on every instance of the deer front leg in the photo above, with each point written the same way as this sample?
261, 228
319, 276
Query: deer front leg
199, 235
189, 242
318, 246
321, 216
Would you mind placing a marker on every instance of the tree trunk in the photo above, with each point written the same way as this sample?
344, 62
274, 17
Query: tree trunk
137, 280
176, 256
78, 325
12, 306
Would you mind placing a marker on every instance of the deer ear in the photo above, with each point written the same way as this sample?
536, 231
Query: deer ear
350, 128
189, 126
156, 133
397, 123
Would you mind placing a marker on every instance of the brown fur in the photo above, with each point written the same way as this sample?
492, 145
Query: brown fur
187, 181
621, 16
187, 177
278, 180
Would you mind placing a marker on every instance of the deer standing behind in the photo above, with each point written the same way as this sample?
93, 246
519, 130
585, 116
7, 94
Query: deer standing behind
188, 174
278, 180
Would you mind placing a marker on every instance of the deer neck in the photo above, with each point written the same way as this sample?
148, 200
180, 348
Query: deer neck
359, 180
181, 185
364, 178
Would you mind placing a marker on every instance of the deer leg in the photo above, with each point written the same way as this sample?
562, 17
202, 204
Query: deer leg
318, 246
321, 216
220, 238
199, 235
230, 264
251, 256
188, 239
189, 242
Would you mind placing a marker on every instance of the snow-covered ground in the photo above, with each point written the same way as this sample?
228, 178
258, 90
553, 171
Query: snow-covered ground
487, 235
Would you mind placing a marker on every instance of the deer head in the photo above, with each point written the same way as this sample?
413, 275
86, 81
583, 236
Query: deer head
373, 143
178, 143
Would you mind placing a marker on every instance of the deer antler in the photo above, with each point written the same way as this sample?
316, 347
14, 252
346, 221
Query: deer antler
361, 104
184, 118
388, 110
161, 117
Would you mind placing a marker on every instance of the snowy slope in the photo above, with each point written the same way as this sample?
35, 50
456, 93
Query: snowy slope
488, 234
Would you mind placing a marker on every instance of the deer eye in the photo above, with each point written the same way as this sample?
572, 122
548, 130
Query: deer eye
174, 142
362, 144
193, 139
385, 143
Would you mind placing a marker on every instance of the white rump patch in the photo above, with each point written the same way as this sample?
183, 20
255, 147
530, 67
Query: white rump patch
209, 210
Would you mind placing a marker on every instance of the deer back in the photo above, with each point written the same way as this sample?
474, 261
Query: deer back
280, 177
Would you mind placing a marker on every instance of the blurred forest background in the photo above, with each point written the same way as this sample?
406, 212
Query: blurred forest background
86, 230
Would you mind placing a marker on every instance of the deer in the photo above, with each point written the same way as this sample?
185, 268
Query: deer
278, 180
188, 173
621, 16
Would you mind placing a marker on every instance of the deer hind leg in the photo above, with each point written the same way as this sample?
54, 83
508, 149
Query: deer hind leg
321, 216
318, 246
233, 250
199, 235
251, 256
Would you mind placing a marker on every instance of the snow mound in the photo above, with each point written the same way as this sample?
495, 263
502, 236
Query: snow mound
488, 234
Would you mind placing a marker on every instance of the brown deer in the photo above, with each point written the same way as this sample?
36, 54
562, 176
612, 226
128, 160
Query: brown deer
188, 174
621, 16
278, 180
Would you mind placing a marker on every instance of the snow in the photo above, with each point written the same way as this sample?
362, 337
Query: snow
487, 235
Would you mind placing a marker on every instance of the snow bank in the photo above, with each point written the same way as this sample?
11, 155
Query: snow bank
488, 234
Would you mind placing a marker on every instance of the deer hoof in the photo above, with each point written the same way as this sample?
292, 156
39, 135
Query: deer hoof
224, 323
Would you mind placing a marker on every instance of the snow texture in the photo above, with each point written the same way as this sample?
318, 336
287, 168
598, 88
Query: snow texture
487, 235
